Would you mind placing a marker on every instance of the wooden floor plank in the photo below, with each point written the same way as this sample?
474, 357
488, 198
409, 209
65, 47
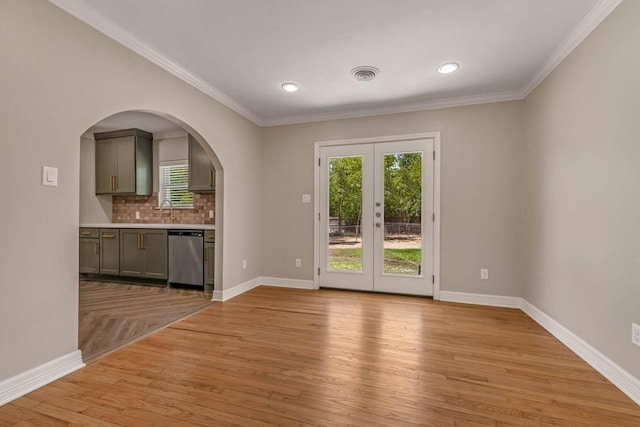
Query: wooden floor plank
113, 315
307, 358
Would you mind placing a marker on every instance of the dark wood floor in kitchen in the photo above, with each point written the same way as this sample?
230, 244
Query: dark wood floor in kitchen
112, 315
286, 357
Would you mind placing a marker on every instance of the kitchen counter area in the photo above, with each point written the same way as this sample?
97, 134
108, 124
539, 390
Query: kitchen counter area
160, 226
175, 254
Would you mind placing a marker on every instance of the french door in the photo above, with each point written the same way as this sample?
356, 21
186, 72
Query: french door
376, 216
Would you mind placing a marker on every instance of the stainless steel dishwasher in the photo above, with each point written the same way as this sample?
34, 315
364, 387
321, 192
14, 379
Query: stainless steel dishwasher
186, 257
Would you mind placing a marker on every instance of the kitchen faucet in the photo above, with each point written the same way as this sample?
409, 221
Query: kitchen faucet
172, 219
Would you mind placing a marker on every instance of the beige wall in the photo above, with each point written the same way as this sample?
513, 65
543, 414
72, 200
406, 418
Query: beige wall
583, 193
59, 77
481, 191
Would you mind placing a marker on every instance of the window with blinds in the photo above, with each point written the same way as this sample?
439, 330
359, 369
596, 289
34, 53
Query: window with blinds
174, 183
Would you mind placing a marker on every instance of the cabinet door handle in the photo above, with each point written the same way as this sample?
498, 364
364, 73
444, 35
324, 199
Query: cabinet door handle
85, 233
108, 236
141, 240
96, 247
115, 183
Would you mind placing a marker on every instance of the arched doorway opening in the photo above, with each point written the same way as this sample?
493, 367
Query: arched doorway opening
122, 233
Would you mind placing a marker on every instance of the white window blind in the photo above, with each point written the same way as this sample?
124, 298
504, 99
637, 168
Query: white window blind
174, 182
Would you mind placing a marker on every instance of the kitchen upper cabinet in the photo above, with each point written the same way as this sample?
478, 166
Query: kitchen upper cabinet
143, 253
124, 162
109, 251
89, 251
202, 175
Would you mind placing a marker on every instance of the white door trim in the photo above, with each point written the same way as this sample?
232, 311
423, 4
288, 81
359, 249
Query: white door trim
436, 194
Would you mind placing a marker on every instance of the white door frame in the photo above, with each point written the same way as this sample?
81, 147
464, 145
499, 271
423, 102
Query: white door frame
436, 197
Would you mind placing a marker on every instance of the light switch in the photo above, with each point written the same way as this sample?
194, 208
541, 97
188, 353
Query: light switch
306, 198
49, 176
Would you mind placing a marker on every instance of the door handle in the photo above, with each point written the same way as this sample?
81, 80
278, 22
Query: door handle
115, 183
108, 236
139, 244
378, 224
141, 240
378, 214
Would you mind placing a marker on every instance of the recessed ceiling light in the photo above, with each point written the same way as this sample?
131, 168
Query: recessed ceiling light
290, 87
447, 68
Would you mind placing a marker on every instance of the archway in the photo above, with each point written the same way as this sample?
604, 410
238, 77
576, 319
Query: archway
106, 212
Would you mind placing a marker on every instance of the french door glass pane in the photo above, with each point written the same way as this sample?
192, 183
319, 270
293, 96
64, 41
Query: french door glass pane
403, 213
345, 214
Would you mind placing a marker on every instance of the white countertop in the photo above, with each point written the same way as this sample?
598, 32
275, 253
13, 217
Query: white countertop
138, 225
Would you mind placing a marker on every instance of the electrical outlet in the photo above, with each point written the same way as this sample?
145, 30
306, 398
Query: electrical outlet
244, 264
298, 262
210, 214
635, 334
484, 273
137, 215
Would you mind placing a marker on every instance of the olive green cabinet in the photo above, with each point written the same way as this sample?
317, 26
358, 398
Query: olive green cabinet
89, 251
202, 175
209, 258
110, 251
143, 253
124, 162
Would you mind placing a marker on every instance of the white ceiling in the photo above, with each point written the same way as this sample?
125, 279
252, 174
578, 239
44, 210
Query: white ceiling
241, 51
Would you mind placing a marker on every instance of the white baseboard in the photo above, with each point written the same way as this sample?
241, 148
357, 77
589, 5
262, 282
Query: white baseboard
287, 283
25, 382
622, 379
481, 299
227, 294
619, 377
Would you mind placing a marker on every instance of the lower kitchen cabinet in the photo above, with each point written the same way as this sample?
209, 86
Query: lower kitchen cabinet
209, 263
110, 251
89, 251
143, 253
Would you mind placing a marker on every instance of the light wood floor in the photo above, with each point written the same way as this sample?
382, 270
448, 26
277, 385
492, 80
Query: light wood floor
292, 357
112, 315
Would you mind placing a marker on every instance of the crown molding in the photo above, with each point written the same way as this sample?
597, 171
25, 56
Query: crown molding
596, 15
436, 104
95, 19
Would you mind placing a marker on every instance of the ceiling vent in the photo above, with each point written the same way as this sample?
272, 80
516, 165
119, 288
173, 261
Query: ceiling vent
365, 73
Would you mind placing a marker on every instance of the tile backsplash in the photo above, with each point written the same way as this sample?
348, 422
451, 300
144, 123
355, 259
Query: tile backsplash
124, 210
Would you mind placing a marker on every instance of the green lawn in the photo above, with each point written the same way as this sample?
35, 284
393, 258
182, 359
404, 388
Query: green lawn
397, 261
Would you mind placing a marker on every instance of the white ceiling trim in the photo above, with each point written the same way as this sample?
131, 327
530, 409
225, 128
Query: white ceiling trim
95, 19
106, 26
437, 104
596, 15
